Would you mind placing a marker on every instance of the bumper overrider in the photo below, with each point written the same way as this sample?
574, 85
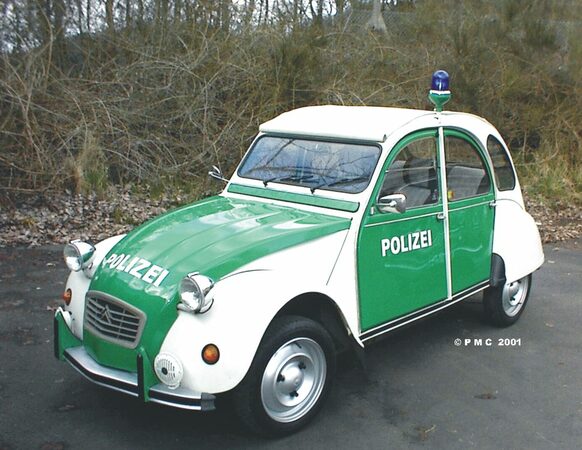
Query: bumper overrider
142, 384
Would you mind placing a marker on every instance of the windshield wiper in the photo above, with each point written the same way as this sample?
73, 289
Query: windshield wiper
346, 180
294, 178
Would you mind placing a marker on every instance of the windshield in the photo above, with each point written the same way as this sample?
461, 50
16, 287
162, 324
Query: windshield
335, 166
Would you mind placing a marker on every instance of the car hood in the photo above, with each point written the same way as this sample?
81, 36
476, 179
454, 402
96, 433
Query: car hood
215, 237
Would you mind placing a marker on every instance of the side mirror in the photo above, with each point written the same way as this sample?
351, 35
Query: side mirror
217, 174
393, 203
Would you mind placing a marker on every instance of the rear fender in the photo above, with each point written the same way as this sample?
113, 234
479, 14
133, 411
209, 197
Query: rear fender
516, 240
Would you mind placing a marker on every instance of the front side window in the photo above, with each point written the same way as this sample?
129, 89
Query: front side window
336, 166
504, 175
466, 173
414, 174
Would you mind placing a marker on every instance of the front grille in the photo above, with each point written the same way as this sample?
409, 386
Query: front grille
113, 320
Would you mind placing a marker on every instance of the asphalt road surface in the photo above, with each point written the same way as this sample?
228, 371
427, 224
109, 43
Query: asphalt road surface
420, 389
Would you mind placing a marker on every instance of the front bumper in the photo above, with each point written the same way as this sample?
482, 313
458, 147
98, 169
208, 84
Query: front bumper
139, 384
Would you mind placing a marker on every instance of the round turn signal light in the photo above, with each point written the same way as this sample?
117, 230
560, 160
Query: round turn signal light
210, 354
67, 296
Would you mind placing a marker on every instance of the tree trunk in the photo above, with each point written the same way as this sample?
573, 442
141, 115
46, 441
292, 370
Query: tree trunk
59, 31
127, 13
88, 16
266, 20
164, 10
250, 10
340, 6
109, 15
140, 12
79, 6
225, 15
376, 22
43, 12
177, 11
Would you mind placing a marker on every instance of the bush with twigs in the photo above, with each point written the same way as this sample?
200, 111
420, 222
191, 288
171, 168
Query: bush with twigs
155, 105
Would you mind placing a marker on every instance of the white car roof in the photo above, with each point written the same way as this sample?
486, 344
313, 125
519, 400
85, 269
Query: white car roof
366, 123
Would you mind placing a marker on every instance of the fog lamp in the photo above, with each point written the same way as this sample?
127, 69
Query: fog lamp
169, 370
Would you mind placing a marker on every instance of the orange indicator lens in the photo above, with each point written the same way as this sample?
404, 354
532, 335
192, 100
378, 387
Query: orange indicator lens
210, 354
67, 296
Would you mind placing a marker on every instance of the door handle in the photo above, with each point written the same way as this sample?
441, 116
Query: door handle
492, 204
440, 216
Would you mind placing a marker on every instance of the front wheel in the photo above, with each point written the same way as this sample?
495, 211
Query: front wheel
505, 304
289, 377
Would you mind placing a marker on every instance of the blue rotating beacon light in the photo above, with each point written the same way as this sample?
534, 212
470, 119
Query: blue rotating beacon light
439, 90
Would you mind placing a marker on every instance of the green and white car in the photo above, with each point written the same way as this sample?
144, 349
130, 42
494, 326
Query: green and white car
340, 225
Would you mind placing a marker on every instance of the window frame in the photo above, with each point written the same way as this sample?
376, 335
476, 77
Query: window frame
314, 139
483, 154
403, 144
507, 158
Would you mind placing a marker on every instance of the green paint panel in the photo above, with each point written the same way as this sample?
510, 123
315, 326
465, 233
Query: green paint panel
214, 237
303, 199
393, 284
112, 355
471, 223
64, 337
471, 236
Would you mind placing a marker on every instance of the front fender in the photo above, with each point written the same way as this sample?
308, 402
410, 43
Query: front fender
244, 306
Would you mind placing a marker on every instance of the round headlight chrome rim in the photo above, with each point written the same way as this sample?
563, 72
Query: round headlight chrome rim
194, 290
78, 254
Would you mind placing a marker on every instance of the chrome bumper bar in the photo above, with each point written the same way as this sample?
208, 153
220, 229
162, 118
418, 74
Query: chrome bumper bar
129, 383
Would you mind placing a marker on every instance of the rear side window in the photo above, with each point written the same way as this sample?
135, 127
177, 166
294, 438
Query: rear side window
504, 175
466, 173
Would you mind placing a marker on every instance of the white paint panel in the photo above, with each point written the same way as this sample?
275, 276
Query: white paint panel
516, 240
341, 122
244, 306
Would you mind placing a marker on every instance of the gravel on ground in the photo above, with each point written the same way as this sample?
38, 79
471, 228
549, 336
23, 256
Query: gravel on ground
59, 218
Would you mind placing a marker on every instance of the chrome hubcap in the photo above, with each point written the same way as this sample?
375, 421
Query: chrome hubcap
293, 380
514, 295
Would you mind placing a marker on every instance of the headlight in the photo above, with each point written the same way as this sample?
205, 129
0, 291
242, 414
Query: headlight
77, 255
194, 290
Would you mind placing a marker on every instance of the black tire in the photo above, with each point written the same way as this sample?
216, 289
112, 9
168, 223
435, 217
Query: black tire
289, 378
504, 305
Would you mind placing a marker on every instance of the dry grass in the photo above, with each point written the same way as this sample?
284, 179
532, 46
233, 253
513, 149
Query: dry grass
147, 109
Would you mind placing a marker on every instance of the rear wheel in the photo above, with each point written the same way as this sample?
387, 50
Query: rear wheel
505, 304
289, 377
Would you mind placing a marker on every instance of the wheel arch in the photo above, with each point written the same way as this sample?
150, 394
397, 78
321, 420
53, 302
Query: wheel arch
324, 310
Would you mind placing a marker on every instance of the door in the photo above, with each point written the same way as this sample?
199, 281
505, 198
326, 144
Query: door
470, 211
401, 256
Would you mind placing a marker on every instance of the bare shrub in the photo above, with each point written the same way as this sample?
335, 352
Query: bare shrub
156, 104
